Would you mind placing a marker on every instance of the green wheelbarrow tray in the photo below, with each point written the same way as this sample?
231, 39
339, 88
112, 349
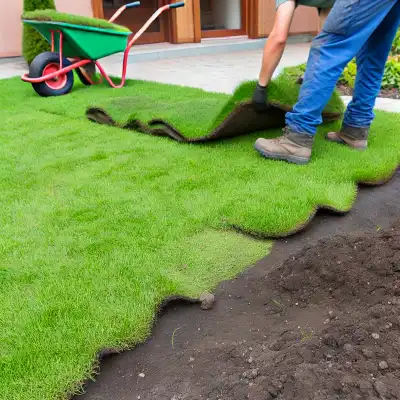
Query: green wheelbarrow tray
80, 41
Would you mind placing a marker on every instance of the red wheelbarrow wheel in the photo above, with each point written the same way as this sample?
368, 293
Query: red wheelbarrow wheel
45, 64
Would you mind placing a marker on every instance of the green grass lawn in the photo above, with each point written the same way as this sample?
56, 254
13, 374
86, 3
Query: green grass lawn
99, 224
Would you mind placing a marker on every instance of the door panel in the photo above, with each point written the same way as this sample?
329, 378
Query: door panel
135, 18
222, 17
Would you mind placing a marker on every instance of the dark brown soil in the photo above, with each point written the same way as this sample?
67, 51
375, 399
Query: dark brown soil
318, 319
386, 93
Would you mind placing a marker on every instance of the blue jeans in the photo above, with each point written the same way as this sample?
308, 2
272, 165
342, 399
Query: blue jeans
364, 29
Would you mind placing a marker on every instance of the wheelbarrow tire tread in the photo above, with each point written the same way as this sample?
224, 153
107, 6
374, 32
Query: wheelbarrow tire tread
36, 71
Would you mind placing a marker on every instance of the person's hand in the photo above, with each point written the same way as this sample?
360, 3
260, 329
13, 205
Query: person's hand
260, 98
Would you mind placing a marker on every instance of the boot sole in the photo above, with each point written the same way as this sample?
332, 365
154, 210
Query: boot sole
291, 159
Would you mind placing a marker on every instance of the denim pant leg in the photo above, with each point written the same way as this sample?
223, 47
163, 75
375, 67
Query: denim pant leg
346, 30
371, 62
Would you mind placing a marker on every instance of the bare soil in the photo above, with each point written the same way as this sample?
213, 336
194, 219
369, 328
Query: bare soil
318, 319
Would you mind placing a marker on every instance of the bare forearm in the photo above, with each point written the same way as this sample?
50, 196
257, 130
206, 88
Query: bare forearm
273, 51
276, 42
272, 55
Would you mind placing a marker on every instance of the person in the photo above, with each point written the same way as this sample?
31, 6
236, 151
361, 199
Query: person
363, 29
277, 40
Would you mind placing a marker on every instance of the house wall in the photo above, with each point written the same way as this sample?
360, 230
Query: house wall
11, 27
186, 23
305, 20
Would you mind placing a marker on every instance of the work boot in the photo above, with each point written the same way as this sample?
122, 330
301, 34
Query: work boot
292, 147
356, 138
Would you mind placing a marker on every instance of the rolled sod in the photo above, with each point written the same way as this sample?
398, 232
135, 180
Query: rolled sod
236, 117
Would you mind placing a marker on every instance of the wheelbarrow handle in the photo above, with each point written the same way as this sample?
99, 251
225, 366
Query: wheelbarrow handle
134, 4
122, 9
177, 5
150, 21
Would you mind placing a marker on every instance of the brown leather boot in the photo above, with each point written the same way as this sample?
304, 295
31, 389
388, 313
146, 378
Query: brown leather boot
356, 138
292, 147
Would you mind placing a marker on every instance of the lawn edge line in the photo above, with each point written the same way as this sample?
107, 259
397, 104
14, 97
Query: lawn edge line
303, 225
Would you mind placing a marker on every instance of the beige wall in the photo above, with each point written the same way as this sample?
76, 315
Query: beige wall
305, 19
11, 27
81, 7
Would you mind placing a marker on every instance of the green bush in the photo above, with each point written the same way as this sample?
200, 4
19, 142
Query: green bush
33, 42
396, 44
348, 77
391, 77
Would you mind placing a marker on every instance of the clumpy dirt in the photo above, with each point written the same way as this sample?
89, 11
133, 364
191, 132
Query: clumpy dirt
344, 294
318, 319
385, 93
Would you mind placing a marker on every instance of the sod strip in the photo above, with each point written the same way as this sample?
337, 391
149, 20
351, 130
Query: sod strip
237, 117
55, 16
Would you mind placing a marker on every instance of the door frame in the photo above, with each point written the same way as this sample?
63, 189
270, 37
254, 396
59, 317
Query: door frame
200, 34
166, 27
253, 19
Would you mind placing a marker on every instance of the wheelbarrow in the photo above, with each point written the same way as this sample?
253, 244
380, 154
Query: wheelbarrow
76, 46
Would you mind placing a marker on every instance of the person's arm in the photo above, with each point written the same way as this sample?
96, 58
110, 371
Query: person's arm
274, 48
276, 42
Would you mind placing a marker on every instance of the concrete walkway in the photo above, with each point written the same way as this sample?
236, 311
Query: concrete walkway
391, 105
220, 72
213, 72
